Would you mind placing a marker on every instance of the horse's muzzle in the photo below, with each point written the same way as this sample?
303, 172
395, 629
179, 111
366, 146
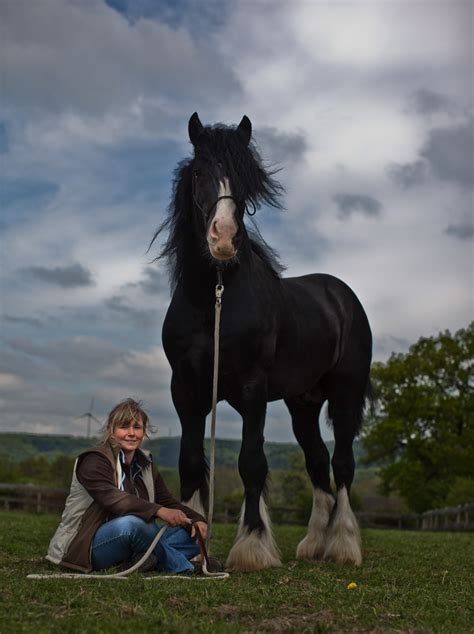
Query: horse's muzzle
221, 237
222, 252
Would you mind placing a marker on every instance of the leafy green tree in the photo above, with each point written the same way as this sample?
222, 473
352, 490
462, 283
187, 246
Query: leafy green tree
422, 430
36, 470
461, 492
296, 485
9, 472
292, 489
60, 472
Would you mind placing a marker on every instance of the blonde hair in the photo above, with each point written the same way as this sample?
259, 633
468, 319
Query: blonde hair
124, 412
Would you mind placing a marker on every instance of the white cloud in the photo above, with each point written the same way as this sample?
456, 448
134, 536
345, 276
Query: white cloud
146, 368
369, 35
89, 59
10, 382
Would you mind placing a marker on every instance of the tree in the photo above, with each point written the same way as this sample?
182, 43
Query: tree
291, 489
421, 431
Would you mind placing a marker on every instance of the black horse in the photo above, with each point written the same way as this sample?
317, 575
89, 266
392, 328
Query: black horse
305, 340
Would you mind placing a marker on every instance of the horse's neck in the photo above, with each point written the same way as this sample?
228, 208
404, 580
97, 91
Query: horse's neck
198, 278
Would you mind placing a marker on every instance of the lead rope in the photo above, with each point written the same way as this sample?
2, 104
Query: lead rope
215, 381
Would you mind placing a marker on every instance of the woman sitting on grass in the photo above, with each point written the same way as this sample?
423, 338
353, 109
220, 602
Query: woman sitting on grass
116, 495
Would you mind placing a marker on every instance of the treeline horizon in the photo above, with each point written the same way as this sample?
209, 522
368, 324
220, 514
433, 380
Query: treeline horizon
48, 460
19, 446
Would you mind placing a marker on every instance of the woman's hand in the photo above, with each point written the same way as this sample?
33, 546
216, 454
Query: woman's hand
202, 528
173, 517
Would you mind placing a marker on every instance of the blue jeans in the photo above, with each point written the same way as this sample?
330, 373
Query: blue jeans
119, 539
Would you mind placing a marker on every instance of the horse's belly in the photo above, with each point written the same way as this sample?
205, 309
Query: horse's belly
285, 383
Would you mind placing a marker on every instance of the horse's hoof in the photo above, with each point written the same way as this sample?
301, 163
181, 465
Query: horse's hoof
253, 551
345, 550
310, 548
343, 542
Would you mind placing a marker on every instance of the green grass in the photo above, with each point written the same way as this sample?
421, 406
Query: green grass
409, 582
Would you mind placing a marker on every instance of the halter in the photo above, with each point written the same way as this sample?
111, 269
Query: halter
208, 213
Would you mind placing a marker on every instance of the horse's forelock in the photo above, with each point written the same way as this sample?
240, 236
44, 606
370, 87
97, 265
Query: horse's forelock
241, 163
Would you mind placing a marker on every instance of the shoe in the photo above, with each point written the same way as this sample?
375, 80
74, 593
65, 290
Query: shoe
215, 565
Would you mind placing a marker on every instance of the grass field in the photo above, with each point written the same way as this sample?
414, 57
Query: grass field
409, 582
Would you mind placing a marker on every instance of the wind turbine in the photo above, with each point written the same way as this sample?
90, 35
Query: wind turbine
90, 416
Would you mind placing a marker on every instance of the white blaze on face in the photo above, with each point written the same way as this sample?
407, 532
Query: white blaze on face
223, 227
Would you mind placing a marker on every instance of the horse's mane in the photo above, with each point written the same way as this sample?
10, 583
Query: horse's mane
265, 252
250, 182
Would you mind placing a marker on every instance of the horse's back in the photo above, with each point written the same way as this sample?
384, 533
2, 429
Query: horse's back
320, 283
325, 297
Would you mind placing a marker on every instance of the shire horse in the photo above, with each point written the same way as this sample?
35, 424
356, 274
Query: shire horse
305, 340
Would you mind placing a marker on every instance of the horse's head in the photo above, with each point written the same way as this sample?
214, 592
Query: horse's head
215, 187
219, 186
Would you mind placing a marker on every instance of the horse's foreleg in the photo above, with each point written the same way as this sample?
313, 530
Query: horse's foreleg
193, 470
343, 540
254, 547
313, 545
305, 421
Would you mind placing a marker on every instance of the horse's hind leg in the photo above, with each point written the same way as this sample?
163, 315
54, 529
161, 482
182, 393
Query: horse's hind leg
305, 422
254, 547
343, 539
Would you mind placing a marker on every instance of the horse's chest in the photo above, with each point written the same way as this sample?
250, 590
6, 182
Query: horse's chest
190, 335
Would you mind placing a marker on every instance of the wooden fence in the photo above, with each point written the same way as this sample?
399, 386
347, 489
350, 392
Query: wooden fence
459, 518
381, 519
32, 498
42, 499
449, 519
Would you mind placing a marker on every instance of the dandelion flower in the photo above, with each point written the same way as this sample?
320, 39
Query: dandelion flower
352, 585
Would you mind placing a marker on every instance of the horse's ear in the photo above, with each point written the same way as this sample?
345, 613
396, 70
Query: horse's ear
195, 128
245, 129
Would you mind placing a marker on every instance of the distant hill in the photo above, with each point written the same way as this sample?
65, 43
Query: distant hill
21, 446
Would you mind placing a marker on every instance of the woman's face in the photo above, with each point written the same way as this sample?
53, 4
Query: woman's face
129, 435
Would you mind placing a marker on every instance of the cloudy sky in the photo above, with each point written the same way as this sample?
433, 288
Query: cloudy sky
366, 106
